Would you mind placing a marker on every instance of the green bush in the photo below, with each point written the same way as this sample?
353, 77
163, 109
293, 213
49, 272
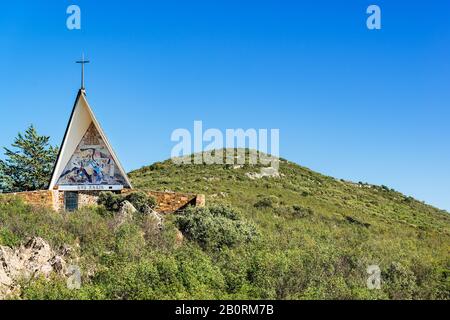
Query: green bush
267, 202
140, 200
301, 212
188, 273
111, 201
400, 281
8, 238
215, 226
129, 241
41, 288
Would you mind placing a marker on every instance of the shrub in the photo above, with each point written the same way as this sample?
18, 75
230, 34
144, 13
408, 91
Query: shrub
129, 241
56, 288
266, 202
111, 201
141, 201
187, 273
8, 238
215, 226
301, 212
400, 281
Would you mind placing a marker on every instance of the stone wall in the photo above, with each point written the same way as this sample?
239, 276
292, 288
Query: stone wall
85, 198
167, 202
41, 198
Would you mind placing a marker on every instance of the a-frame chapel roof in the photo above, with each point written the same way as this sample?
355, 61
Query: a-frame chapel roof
86, 157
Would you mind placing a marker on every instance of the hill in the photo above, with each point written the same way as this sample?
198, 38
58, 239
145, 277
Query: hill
299, 235
345, 226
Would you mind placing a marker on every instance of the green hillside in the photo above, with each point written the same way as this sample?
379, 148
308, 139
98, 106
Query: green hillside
327, 230
301, 235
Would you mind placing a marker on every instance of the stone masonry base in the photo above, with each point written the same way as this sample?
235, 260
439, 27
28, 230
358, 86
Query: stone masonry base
167, 202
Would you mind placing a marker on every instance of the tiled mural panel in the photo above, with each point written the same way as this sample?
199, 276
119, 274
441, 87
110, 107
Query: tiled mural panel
91, 163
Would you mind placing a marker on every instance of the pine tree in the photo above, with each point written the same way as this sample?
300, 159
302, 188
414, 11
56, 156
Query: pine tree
28, 166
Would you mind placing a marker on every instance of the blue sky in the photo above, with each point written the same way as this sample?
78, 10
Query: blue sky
352, 103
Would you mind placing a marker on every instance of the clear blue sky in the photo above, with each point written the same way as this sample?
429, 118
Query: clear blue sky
362, 105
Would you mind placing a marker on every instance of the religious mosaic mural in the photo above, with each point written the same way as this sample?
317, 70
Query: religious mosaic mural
91, 163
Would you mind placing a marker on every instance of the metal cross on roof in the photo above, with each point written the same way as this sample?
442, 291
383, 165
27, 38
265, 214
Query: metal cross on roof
82, 62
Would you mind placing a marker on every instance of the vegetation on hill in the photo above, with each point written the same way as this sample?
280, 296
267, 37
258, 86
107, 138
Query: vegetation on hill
298, 236
319, 234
